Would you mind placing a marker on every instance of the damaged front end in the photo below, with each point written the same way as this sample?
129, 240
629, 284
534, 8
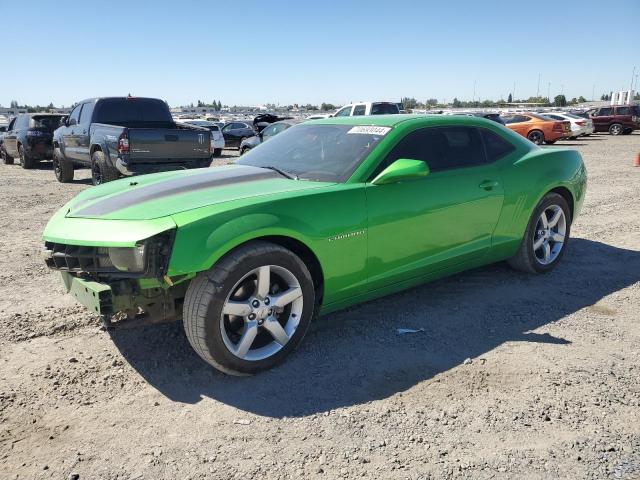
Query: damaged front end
126, 286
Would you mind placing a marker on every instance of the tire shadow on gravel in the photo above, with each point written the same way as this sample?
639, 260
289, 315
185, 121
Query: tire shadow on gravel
356, 355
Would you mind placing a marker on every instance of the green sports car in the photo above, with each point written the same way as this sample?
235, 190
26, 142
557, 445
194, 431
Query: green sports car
325, 215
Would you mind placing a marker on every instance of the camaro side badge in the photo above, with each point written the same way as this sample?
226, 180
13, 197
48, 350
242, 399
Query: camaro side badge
344, 236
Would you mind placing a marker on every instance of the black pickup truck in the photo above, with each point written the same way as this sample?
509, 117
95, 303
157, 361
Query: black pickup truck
122, 136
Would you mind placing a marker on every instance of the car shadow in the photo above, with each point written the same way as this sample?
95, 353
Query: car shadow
356, 355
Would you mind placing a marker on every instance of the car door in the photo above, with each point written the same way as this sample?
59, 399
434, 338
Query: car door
442, 220
69, 136
82, 135
230, 134
601, 119
520, 124
10, 139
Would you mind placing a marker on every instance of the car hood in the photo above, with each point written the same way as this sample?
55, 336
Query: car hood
169, 193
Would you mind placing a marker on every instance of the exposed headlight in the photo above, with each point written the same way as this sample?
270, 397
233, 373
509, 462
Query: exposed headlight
128, 259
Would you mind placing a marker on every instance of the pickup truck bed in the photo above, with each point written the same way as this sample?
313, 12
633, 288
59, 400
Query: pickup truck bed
118, 136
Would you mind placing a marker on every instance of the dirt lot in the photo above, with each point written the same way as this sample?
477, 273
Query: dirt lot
514, 376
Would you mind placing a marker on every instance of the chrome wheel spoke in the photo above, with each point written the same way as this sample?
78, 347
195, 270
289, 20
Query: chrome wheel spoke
543, 220
538, 243
241, 309
557, 237
264, 278
546, 250
245, 342
285, 298
277, 332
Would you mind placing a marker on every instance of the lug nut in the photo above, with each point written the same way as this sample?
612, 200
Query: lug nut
255, 304
252, 316
267, 301
260, 322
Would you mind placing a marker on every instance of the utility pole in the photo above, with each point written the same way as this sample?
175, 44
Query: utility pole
549, 92
474, 93
593, 92
633, 74
513, 93
538, 90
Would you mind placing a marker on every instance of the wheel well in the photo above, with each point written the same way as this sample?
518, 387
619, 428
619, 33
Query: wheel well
566, 194
95, 148
306, 255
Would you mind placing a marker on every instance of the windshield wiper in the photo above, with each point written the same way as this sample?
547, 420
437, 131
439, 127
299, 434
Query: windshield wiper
291, 176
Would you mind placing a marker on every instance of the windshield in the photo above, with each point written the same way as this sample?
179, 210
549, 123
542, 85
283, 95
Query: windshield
47, 122
325, 153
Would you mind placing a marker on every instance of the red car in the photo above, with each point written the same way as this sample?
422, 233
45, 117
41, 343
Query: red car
619, 119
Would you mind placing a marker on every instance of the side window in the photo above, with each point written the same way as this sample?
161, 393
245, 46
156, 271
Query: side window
86, 112
623, 111
12, 124
344, 112
516, 119
359, 110
604, 112
555, 117
75, 115
443, 148
495, 146
270, 131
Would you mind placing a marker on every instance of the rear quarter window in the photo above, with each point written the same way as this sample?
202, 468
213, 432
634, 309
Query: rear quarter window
495, 146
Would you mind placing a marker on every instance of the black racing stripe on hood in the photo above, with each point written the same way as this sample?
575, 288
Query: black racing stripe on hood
176, 186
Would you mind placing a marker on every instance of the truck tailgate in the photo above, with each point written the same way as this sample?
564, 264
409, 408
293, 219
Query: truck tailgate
154, 144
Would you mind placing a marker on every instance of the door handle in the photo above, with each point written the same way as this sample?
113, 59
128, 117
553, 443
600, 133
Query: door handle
488, 184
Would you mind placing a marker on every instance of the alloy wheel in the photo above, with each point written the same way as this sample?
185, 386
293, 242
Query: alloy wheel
616, 129
536, 137
261, 313
549, 235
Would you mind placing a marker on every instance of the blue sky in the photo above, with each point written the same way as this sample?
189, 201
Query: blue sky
254, 52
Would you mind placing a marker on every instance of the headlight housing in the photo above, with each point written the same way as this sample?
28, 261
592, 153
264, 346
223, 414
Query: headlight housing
125, 259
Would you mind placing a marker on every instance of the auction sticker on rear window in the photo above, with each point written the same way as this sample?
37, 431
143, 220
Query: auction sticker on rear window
368, 130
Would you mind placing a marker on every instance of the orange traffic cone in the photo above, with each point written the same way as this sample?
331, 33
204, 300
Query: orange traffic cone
636, 163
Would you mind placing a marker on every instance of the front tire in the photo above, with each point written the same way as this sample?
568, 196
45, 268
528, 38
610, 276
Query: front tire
62, 168
536, 136
250, 310
101, 172
546, 237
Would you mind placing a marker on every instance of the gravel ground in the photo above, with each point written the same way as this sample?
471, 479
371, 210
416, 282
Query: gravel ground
514, 376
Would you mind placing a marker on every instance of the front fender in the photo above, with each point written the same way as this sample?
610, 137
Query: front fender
217, 237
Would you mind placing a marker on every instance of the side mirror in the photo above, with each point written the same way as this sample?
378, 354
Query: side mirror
402, 169
71, 122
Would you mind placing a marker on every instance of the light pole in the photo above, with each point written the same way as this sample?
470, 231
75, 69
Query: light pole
538, 89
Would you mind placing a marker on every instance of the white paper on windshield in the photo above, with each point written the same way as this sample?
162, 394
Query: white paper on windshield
369, 130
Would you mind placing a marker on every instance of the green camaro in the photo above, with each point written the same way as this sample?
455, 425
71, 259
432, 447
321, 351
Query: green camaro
325, 215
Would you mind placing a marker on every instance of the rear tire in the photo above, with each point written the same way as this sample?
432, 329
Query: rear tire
101, 172
6, 158
276, 304
528, 258
62, 168
616, 129
536, 136
26, 162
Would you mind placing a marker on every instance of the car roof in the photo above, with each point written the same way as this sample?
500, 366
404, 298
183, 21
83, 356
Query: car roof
396, 119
